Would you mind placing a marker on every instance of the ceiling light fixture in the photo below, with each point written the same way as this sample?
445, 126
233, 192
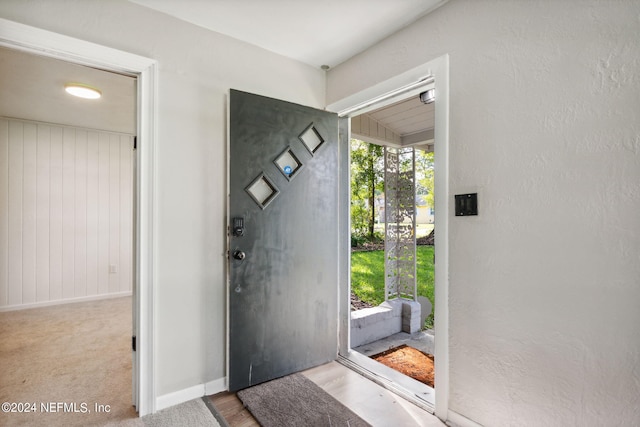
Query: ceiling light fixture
82, 91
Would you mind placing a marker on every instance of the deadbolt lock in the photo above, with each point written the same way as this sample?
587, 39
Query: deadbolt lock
238, 227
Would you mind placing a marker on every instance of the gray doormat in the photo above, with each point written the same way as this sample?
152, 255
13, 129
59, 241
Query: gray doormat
295, 400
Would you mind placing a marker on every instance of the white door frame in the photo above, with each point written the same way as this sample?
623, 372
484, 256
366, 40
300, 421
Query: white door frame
401, 86
41, 42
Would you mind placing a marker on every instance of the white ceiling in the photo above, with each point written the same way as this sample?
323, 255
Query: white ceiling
32, 87
407, 118
316, 32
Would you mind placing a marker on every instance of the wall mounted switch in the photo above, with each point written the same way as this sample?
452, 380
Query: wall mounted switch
466, 204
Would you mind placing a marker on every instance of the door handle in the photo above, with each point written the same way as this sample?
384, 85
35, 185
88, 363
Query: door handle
239, 255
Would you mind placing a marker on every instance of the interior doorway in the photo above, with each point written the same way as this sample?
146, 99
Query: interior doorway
67, 204
34, 40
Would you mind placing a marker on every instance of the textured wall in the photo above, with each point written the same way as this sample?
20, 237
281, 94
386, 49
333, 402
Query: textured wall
196, 69
545, 282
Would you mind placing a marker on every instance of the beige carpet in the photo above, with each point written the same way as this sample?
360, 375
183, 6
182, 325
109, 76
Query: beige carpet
68, 354
193, 413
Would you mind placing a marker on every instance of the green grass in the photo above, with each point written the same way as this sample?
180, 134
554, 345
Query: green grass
367, 276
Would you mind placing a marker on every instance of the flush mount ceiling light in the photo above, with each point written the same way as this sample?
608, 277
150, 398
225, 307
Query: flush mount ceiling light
82, 91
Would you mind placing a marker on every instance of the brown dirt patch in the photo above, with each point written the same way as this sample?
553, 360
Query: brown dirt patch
357, 303
410, 362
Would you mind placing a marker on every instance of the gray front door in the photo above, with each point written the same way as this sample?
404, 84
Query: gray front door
283, 244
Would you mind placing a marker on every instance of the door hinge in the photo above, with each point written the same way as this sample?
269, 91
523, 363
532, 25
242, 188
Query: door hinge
133, 343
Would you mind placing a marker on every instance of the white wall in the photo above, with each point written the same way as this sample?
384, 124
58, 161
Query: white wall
545, 282
196, 69
66, 214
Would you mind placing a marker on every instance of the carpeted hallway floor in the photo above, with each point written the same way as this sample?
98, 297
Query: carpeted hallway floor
77, 353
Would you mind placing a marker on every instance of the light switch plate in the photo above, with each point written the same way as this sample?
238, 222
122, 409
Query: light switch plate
466, 204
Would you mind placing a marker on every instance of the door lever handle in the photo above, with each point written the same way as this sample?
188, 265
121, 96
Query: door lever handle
239, 255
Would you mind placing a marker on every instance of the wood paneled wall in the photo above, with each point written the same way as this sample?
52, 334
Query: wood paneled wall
66, 213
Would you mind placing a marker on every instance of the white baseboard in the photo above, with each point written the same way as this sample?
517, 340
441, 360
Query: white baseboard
184, 395
456, 420
65, 301
216, 386
181, 396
